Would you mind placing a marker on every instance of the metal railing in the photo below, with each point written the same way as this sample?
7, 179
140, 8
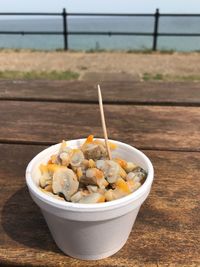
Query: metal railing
65, 32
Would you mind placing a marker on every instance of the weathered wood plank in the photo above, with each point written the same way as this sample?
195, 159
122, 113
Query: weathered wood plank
151, 127
187, 93
166, 232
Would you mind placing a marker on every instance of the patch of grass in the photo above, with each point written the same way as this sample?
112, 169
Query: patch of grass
129, 51
146, 76
168, 52
97, 50
158, 77
166, 77
142, 51
149, 51
152, 77
42, 75
187, 78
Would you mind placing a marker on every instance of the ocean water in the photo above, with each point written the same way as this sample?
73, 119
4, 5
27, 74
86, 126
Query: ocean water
110, 24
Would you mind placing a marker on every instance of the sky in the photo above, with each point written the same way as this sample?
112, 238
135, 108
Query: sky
101, 6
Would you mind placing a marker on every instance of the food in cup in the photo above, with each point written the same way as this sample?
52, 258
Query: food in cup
81, 230
86, 175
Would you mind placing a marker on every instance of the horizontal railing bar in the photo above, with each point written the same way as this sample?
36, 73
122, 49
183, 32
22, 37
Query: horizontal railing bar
134, 14
96, 33
29, 14
97, 14
111, 33
77, 14
178, 34
113, 14
179, 15
30, 32
74, 33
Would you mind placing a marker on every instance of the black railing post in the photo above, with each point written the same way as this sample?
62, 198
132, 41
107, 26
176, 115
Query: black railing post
64, 14
155, 33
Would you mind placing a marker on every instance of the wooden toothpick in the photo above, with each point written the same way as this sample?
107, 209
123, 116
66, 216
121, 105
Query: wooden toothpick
103, 122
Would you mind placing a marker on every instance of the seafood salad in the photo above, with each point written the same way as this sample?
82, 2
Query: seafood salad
87, 175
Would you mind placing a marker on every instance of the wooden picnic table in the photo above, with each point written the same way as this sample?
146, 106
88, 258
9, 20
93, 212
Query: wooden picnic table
161, 119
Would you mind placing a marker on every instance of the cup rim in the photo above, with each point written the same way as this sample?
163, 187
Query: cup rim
80, 207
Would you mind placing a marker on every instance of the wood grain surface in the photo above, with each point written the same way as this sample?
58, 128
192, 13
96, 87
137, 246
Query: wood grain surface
163, 119
166, 232
149, 127
157, 93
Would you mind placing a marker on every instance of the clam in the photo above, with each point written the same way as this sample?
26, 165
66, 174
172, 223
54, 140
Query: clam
110, 168
92, 188
45, 177
130, 166
48, 188
138, 175
133, 185
77, 196
76, 157
65, 158
65, 182
64, 154
100, 164
96, 177
93, 149
122, 189
92, 198
126, 165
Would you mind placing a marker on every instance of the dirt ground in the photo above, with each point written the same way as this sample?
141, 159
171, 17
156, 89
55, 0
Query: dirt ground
132, 65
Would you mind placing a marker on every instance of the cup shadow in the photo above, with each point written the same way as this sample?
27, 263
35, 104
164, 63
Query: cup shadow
23, 222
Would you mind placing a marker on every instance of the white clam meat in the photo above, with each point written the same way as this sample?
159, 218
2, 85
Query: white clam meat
92, 198
65, 182
136, 176
77, 196
130, 166
76, 158
110, 168
96, 177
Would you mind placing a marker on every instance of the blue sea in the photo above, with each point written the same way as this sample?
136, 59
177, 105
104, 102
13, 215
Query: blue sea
110, 24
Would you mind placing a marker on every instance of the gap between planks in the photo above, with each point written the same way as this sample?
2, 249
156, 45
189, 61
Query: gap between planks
36, 143
108, 102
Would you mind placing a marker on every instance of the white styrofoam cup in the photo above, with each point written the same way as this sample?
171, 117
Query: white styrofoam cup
90, 231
